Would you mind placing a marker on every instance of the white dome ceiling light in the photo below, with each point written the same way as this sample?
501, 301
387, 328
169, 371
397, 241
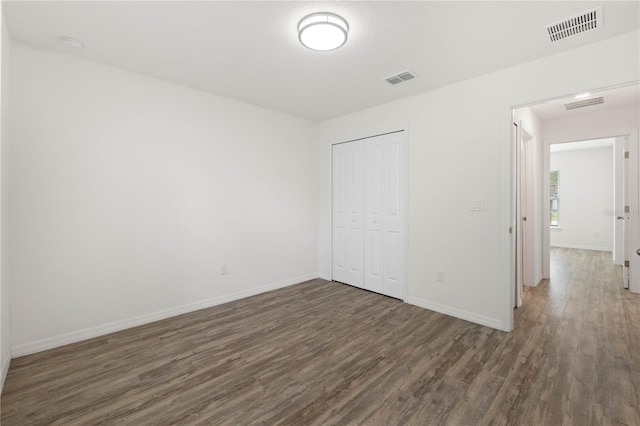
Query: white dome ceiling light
323, 31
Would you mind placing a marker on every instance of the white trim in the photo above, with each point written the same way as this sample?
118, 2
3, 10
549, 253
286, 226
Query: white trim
101, 330
5, 369
580, 246
458, 313
405, 213
546, 212
508, 224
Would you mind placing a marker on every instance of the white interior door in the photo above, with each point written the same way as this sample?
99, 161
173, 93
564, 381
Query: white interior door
514, 214
529, 213
393, 214
368, 231
519, 234
374, 230
618, 201
525, 212
623, 211
632, 211
348, 216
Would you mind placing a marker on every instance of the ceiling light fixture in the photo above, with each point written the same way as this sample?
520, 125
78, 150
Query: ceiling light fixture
323, 31
582, 95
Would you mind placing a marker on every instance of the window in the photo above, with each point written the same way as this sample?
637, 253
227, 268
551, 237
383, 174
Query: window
554, 200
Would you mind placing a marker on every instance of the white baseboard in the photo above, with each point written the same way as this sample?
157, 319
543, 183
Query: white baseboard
325, 276
5, 369
538, 279
581, 246
457, 313
101, 330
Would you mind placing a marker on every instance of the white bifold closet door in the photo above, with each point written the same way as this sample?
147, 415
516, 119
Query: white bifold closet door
367, 214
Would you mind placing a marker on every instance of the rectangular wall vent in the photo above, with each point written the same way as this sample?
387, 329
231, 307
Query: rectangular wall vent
587, 21
401, 78
584, 103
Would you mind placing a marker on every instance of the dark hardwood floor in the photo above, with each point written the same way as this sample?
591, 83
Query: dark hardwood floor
326, 353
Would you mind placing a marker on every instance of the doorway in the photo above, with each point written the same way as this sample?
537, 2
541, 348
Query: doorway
605, 113
582, 188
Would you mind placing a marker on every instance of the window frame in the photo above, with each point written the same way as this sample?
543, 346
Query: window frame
555, 198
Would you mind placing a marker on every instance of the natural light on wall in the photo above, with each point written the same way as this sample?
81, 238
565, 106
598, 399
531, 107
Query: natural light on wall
323, 31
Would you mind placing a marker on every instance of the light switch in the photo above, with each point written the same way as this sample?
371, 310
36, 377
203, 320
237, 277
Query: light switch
477, 205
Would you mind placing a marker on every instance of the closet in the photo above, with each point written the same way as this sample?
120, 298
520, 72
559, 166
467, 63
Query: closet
368, 202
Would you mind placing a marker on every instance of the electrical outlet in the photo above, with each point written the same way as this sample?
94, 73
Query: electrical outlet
440, 276
224, 269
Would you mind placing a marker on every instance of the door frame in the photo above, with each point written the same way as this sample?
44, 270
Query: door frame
631, 185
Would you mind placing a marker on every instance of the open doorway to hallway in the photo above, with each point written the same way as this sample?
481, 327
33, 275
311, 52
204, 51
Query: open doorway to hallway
570, 187
586, 200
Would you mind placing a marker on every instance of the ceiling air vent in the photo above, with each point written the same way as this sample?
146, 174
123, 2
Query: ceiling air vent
587, 21
584, 103
401, 78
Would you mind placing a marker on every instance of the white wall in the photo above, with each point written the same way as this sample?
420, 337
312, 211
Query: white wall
586, 199
596, 125
129, 194
535, 156
459, 149
5, 301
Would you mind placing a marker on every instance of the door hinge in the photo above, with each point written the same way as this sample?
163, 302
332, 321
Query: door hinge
626, 154
626, 209
626, 263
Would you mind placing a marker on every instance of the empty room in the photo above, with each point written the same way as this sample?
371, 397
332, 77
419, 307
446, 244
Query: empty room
272, 212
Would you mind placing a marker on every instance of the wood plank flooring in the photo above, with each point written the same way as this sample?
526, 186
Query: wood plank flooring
326, 353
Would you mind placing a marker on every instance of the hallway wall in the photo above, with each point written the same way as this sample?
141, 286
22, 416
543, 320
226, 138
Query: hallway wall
585, 199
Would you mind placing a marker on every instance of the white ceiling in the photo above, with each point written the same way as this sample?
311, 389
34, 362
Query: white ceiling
613, 98
589, 144
249, 51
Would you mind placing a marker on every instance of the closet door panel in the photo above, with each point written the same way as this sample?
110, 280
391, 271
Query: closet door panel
392, 215
340, 210
356, 216
374, 238
348, 233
